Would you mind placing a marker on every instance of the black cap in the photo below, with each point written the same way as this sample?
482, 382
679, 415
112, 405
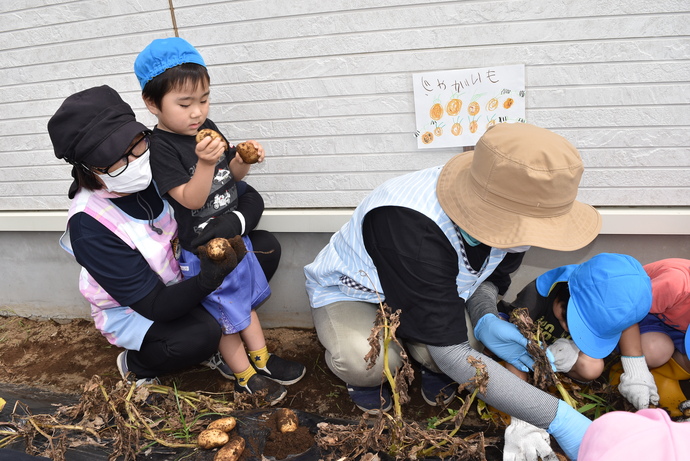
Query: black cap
94, 127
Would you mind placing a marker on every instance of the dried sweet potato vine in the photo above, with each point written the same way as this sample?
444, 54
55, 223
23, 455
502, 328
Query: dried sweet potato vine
392, 434
543, 376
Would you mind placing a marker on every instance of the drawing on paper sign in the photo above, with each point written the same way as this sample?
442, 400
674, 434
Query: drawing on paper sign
454, 108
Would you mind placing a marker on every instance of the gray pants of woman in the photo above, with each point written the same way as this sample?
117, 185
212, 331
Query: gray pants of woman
343, 329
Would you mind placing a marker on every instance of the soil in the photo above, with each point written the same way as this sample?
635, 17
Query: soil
62, 356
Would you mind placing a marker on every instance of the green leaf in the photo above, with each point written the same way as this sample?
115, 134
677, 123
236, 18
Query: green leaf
586, 408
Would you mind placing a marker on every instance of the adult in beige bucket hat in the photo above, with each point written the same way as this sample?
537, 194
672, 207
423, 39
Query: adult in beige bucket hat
518, 187
441, 243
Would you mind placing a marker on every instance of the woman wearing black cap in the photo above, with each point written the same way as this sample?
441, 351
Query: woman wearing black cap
121, 232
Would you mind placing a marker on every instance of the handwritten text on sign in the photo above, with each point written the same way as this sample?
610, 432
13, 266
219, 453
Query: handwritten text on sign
455, 107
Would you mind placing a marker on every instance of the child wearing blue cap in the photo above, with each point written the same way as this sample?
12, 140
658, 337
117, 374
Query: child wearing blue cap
202, 180
589, 309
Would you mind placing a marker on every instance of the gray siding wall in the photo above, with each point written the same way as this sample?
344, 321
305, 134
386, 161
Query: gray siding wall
326, 86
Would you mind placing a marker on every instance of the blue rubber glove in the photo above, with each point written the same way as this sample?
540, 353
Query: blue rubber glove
568, 428
504, 339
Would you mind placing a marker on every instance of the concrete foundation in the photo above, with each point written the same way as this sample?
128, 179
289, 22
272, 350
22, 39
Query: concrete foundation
40, 279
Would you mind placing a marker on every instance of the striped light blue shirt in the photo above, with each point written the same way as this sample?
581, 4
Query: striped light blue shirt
343, 270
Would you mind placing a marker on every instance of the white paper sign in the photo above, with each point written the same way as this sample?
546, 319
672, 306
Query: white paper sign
454, 108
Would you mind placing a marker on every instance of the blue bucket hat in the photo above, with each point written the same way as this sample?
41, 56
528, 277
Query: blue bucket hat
608, 294
163, 54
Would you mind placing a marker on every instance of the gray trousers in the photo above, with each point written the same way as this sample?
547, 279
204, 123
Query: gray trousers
343, 329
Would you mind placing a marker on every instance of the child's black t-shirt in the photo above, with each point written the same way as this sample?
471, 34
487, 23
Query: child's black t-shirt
173, 162
540, 310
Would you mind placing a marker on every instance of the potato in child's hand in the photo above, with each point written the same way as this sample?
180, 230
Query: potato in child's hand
248, 152
209, 133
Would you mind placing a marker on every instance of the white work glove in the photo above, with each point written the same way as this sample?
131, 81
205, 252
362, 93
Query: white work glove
525, 442
637, 383
564, 354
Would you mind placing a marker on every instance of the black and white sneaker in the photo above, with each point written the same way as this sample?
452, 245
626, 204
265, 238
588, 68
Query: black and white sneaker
274, 391
127, 375
282, 371
216, 362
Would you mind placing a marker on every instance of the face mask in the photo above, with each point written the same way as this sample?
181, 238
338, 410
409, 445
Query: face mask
135, 178
471, 241
521, 249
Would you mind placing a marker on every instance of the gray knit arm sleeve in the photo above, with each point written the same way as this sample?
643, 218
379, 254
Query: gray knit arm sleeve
505, 391
483, 301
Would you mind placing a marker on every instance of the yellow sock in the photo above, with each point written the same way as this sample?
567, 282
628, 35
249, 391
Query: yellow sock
244, 376
259, 358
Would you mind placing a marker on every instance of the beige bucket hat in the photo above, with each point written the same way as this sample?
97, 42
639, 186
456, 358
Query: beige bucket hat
518, 187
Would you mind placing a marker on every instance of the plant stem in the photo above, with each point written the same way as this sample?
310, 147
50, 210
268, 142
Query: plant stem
455, 430
397, 410
564, 394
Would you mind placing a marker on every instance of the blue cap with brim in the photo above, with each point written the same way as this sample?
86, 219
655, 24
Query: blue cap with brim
608, 293
687, 342
163, 54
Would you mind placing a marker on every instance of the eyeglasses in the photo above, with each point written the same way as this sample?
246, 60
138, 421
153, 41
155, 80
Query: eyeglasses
136, 151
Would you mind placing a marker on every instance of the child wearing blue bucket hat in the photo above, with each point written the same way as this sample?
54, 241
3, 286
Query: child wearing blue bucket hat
589, 310
201, 177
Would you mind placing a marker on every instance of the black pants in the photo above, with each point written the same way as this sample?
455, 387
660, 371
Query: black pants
171, 346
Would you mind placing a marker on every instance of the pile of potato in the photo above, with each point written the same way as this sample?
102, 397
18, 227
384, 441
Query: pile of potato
217, 434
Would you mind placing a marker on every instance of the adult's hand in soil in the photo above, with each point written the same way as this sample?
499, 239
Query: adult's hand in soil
505, 340
637, 383
225, 226
525, 442
211, 272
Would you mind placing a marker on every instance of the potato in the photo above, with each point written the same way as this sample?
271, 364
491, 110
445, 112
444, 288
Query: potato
287, 420
248, 152
212, 438
232, 450
224, 424
207, 132
216, 248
